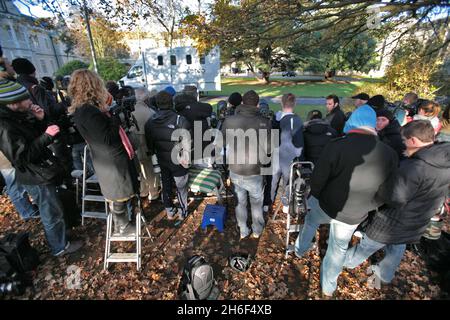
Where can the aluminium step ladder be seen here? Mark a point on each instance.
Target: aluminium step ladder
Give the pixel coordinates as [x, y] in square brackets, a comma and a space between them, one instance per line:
[299, 175]
[134, 257]
[85, 197]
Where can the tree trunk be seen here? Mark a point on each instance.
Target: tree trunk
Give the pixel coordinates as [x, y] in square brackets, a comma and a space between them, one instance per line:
[264, 77]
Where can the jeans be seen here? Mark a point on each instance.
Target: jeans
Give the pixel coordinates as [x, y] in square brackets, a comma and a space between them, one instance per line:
[52, 215]
[385, 269]
[18, 195]
[77, 158]
[275, 182]
[255, 187]
[340, 235]
[181, 184]
[149, 180]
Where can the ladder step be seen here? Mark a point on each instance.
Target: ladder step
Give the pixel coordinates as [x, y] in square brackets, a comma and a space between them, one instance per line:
[123, 257]
[118, 238]
[94, 214]
[295, 227]
[92, 179]
[91, 197]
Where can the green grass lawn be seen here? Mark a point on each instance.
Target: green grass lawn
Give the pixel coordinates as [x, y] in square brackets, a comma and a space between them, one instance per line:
[301, 110]
[300, 88]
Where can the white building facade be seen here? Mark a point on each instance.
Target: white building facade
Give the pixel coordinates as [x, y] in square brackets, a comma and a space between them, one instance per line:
[20, 38]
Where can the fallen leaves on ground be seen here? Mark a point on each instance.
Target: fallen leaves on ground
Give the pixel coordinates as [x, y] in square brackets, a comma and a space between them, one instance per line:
[271, 275]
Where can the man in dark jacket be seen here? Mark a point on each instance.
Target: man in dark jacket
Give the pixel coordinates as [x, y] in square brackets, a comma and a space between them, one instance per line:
[388, 130]
[335, 117]
[195, 112]
[247, 137]
[412, 196]
[26, 76]
[24, 140]
[343, 187]
[55, 112]
[317, 133]
[158, 133]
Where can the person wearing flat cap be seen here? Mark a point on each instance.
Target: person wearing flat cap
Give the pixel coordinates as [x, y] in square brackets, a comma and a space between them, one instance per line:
[388, 130]
[360, 99]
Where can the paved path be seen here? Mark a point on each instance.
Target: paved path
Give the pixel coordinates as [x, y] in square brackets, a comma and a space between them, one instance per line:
[276, 100]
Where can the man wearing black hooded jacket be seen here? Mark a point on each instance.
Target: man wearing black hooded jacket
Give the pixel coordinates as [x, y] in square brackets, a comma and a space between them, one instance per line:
[158, 134]
[411, 196]
[194, 111]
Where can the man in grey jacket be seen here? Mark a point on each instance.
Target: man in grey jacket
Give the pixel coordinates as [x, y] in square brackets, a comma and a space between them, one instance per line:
[247, 137]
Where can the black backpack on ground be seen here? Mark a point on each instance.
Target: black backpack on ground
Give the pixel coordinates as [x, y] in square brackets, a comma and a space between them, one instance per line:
[436, 253]
[197, 281]
[17, 255]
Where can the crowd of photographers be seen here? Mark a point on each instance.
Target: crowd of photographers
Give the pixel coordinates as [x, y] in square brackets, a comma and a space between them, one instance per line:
[385, 166]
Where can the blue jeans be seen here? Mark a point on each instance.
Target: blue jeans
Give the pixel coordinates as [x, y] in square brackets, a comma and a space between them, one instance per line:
[77, 158]
[254, 185]
[340, 235]
[17, 193]
[280, 173]
[385, 269]
[52, 215]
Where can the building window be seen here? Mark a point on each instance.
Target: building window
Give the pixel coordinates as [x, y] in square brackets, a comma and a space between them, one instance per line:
[34, 42]
[47, 45]
[189, 59]
[44, 67]
[53, 65]
[10, 32]
[3, 6]
[20, 34]
[160, 61]
[173, 60]
[202, 59]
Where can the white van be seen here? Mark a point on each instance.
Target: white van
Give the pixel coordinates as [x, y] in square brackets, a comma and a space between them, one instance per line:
[158, 68]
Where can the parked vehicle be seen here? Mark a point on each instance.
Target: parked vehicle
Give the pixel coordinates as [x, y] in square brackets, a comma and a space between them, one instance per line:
[289, 74]
[158, 68]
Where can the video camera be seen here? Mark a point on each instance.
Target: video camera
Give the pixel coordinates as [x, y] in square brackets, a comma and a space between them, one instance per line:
[124, 106]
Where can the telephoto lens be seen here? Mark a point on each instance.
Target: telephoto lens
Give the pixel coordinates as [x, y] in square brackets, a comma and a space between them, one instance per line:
[156, 167]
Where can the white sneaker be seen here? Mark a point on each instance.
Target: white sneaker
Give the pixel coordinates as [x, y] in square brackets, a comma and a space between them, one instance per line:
[285, 209]
[358, 234]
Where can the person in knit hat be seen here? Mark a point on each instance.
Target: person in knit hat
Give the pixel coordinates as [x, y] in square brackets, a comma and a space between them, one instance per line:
[376, 102]
[388, 130]
[170, 90]
[24, 66]
[234, 100]
[24, 141]
[343, 186]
